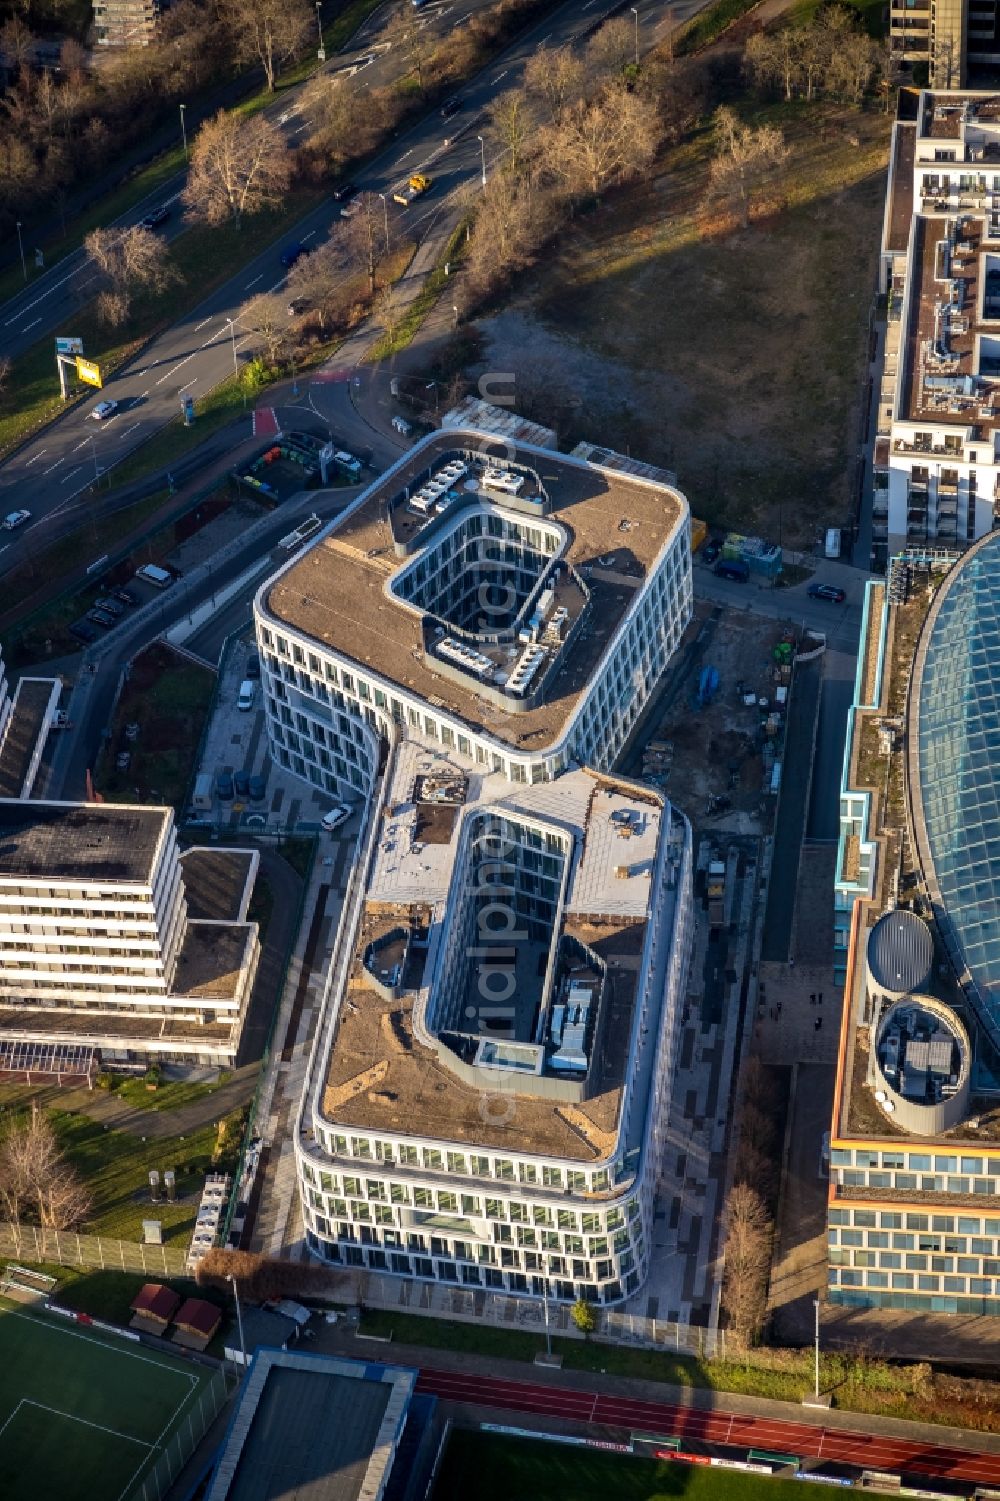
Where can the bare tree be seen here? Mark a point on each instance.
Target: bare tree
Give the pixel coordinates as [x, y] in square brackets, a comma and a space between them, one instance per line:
[126, 259]
[749, 1234]
[33, 1172]
[16, 41]
[388, 308]
[511, 126]
[513, 218]
[776, 57]
[601, 141]
[852, 67]
[238, 167]
[409, 35]
[267, 31]
[746, 160]
[365, 241]
[553, 80]
[610, 50]
[266, 317]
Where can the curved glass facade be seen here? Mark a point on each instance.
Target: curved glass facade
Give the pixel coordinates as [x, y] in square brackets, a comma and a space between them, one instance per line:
[958, 749]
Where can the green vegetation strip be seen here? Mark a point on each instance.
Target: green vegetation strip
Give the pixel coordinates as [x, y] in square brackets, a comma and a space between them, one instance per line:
[82, 1413]
[859, 1384]
[710, 23]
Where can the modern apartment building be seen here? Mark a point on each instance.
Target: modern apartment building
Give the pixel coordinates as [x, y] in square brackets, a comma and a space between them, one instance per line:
[125, 23]
[937, 459]
[467, 650]
[914, 1209]
[958, 40]
[98, 947]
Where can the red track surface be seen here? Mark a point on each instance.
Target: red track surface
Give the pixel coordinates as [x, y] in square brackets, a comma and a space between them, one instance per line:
[867, 1450]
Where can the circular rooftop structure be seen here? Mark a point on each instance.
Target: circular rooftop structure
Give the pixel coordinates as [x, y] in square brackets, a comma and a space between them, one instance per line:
[900, 953]
[921, 1062]
[954, 771]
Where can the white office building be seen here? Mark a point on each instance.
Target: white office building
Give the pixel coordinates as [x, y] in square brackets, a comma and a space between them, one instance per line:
[467, 650]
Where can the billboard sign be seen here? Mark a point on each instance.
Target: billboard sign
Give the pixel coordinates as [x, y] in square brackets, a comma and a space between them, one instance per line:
[69, 346]
[88, 372]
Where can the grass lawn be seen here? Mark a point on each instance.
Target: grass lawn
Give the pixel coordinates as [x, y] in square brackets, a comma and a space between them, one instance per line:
[749, 383]
[299, 854]
[494, 1467]
[167, 1095]
[168, 696]
[115, 1166]
[82, 1414]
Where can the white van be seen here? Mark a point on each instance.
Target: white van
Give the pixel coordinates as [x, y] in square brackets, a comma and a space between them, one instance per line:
[248, 692]
[154, 575]
[832, 549]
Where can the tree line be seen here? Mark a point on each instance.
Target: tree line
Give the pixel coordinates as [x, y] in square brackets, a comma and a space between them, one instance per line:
[830, 57]
[748, 1215]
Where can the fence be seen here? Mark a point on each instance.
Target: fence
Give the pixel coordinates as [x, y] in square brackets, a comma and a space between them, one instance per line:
[28, 1243]
[615, 1327]
[192, 1429]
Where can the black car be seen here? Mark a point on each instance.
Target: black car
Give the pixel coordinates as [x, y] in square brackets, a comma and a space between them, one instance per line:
[829, 592]
[450, 107]
[345, 191]
[82, 631]
[711, 551]
[101, 617]
[126, 596]
[110, 606]
[253, 665]
[155, 217]
[241, 782]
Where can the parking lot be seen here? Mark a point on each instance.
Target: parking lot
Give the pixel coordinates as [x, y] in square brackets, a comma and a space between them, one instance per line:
[236, 743]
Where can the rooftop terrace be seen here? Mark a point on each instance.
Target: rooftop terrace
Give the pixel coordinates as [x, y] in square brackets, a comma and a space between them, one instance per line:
[337, 592]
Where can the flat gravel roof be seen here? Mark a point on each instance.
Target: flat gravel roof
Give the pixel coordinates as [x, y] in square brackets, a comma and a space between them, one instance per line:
[79, 841]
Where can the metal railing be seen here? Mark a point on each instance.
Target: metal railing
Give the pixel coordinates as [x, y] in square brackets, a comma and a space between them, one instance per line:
[192, 1428]
[66, 1248]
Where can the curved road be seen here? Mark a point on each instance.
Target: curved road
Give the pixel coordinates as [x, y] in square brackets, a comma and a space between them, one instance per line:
[871, 1451]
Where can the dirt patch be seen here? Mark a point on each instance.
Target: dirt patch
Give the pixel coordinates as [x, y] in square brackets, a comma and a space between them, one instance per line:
[166, 697]
[738, 359]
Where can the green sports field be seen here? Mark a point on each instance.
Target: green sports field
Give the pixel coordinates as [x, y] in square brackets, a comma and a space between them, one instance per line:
[83, 1415]
[495, 1467]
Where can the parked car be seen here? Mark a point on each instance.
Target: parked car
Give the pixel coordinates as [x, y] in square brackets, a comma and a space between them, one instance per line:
[224, 788]
[828, 592]
[100, 617]
[346, 191]
[110, 606]
[241, 782]
[82, 631]
[451, 107]
[126, 596]
[297, 307]
[711, 550]
[253, 665]
[335, 817]
[104, 410]
[258, 789]
[733, 569]
[292, 254]
[156, 216]
[15, 519]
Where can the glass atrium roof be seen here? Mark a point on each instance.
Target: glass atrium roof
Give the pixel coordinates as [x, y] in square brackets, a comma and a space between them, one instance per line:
[958, 750]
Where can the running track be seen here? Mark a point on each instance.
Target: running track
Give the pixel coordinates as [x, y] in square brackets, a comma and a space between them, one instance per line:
[868, 1451]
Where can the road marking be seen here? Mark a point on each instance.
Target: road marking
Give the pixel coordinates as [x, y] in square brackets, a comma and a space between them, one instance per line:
[24, 330]
[300, 128]
[82, 444]
[192, 382]
[405, 154]
[254, 282]
[176, 368]
[52, 466]
[201, 325]
[505, 71]
[131, 429]
[143, 394]
[308, 236]
[67, 477]
[35, 459]
[545, 39]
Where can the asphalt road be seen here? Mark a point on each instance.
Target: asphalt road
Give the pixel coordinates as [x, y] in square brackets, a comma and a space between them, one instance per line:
[48, 303]
[200, 350]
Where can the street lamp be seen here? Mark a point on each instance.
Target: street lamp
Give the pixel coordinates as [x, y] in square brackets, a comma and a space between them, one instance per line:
[239, 1317]
[385, 211]
[184, 134]
[20, 246]
[482, 147]
[816, 1306]
[97, 473]
[548, 1331]
[635, 12]
[232, 330]
[321, 53]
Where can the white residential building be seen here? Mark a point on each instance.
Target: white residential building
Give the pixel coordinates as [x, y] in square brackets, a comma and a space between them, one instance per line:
[937, 464]
[491, 1076]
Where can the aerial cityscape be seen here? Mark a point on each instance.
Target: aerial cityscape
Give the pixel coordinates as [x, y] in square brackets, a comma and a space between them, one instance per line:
[499, 749]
